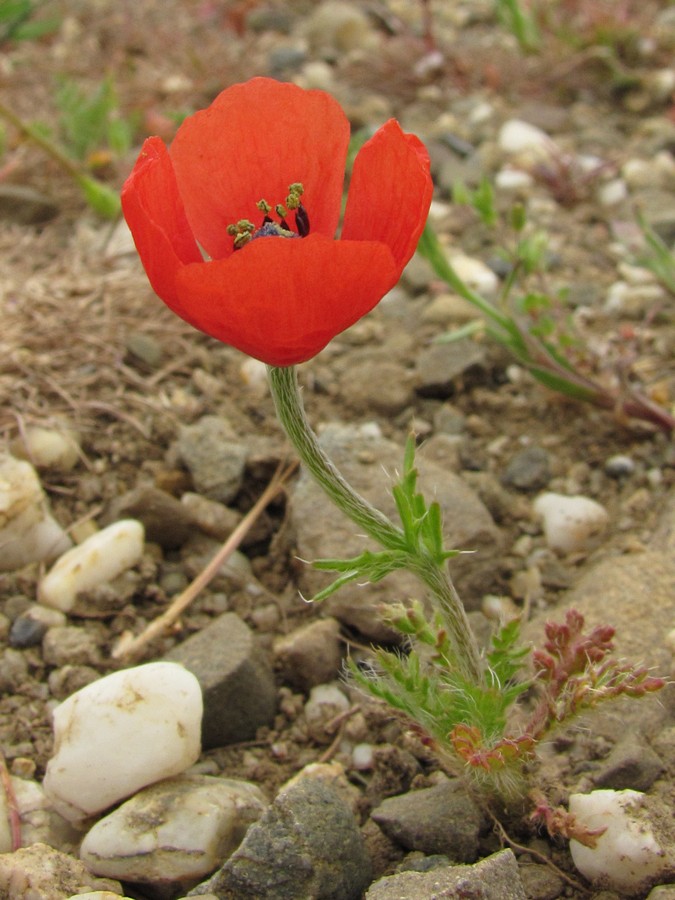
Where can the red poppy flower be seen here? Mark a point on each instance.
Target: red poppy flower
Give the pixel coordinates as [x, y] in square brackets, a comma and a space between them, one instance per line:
[278, 299]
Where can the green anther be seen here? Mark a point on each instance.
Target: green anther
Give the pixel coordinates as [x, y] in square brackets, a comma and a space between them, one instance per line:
[241, 231]
[264, 206]
[281, 210]
[295, 192]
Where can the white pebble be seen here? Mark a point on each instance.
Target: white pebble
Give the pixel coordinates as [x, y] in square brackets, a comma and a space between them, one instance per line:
[571, 524]
[628, 857]
[48, 448]
[100, 559]
[325, 703]
[363, 757]
[179, 829]
[612, 192]
[121, 733]
[518, 138]
[475, 274]
[28, 532]
[513, 180]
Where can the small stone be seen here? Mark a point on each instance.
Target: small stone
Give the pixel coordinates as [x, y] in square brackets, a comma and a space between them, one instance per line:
[619, 466]
[376, 387]
[335, 27]
[100, 559]
[326, 702]
[25, 206]
[69, 678]
[13, 670]
[518, 138]
[235, 678]
[631, 764]
[442, 819]
[213, 518]
[180, 829]
[68, 644]
[571, 524]
[637, 849]
[540, 882]
[442, 367]
[449, 309]
[28, 532]
[311, 654]
[529, 469]
[214, 457]
[123, 732]
[40, 872]
[494, 878]
[475, 274]
[166, 521]
[612, 192]
[307, 844]
[513, 180]
[145, 349]
[48, 448]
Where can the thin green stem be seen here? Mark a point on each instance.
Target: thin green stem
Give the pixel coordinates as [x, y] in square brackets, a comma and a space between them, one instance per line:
[291, 413]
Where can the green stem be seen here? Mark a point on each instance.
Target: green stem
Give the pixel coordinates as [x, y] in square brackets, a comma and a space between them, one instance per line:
[291, 413]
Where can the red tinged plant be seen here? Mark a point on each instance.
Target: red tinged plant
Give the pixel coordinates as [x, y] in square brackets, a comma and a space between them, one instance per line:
[196, 209]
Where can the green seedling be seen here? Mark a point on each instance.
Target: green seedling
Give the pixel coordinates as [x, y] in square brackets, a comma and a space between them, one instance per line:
[18, 22]
[521, 21]
[90, 124]
[528, 323]
[656, 256]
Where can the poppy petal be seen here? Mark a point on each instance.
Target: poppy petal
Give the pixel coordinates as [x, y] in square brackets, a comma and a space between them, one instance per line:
[281, 300]
[254, 141]
[390, 192]
[155, 215]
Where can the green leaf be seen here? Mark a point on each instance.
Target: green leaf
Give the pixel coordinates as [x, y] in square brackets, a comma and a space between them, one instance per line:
[102, 199]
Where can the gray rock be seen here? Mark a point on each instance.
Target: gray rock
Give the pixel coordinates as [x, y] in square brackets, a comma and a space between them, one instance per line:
[540, 882]
[441, 366]
[213, 456]
[306, 846]
[377, 386]
[528, 470]
[631, 764]
[145, 349]
[369, 463]
[167, 521]
[311, 654]
[68, 644]
[439, 820]
[235, 678]
[493, 878]
[25, 206]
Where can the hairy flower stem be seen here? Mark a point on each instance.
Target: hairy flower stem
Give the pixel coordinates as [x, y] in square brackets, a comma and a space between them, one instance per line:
[291, 413]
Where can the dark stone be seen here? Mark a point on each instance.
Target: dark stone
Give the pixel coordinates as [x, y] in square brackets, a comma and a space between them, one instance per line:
[26, 632]
[632, 764]
[306, 846]
[438, 820]
[167, 521]
[528, 470]
[235, 677]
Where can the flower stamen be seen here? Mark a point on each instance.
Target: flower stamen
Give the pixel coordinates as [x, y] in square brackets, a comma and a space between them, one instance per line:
[245, 231]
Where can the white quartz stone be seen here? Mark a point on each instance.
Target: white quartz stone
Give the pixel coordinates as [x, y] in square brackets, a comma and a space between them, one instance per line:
[179, 829]
[48, 448]
[571, 524]
[28, 532]
[121, 733]
[631, 855]
[518, 138]
[475, 274]
[101, 558]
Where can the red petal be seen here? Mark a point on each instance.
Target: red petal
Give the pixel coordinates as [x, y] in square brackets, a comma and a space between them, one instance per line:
[390, 192]
[253, 142]
[282, 300]
[154, 212]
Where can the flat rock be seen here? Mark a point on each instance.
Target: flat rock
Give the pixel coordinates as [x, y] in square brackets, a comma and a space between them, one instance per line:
[369, 463]
[493, 878]
[121, 733]
[167, 521]
[235, 677]
[442, 368]
[178, 830]
[439, 820]
[306, 846]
